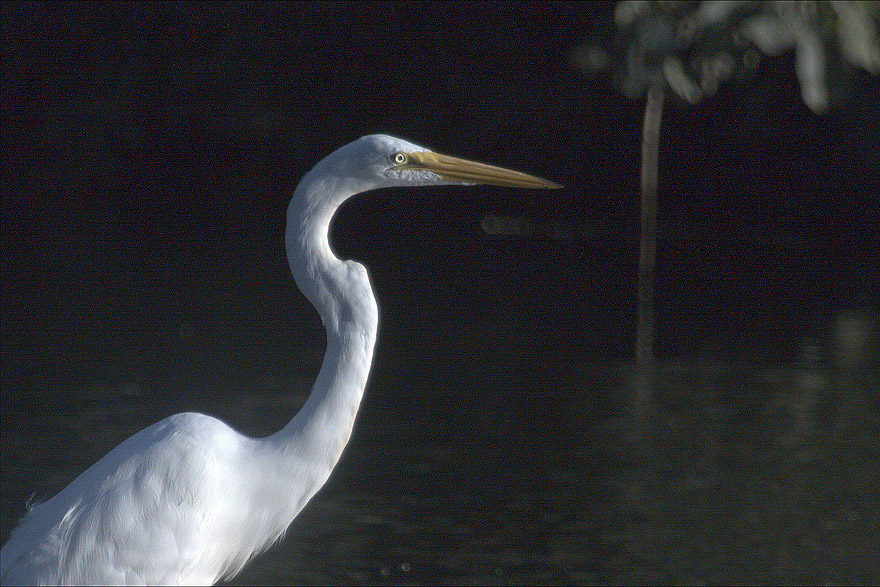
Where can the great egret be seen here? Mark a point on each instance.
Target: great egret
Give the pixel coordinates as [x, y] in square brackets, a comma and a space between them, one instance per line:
[189, 500]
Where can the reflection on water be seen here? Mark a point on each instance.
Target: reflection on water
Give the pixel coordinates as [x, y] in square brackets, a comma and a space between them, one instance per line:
[502, 487]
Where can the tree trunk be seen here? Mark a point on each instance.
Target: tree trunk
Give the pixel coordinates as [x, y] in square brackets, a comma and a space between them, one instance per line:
[644, 376]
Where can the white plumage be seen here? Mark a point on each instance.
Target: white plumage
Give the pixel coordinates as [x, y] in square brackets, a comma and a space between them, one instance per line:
[189, 500]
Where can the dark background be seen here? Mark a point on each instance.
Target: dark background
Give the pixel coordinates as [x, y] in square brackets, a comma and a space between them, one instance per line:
[149, 152]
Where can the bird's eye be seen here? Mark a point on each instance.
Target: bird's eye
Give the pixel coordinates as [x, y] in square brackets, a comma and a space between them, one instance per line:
[399, 158]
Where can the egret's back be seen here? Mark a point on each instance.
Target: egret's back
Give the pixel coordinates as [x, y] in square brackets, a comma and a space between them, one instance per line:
[158, 509]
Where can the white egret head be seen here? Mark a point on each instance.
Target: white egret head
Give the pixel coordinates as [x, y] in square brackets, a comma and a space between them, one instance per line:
[377, 161]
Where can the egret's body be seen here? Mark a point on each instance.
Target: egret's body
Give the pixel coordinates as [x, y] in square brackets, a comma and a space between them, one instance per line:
[189, 500]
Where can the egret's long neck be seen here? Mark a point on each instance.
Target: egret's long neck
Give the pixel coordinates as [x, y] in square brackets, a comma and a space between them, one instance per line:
[341, 292]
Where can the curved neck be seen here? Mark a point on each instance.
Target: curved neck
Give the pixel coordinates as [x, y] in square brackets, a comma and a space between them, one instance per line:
[282, 472]
[342, 294]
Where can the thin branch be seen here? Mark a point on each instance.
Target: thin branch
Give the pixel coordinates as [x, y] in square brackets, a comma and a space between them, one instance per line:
[647, 255]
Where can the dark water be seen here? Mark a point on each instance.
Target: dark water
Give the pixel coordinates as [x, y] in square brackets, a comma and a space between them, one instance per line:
[455, 483]
[470, 481]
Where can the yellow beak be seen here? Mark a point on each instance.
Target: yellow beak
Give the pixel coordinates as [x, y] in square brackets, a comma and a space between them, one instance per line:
[455, 169]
